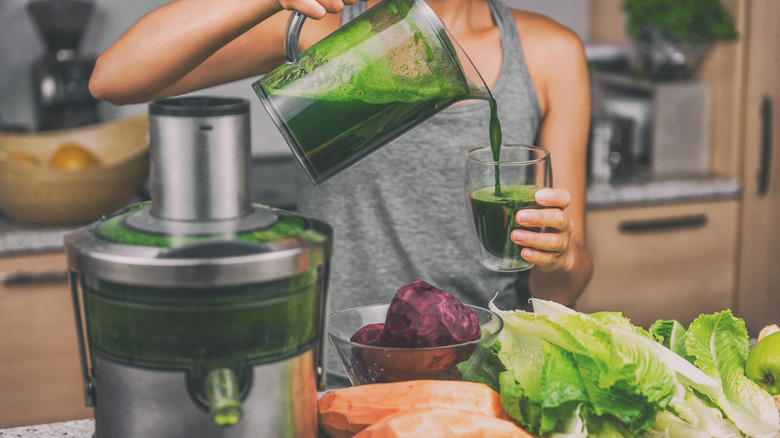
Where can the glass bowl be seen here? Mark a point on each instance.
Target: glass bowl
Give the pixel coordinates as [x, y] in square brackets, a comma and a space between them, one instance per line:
[372, 364]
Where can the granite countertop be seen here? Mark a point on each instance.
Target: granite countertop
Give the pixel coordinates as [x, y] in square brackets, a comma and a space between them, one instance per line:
[273, 184]
[74, 429]
[65, 429]
[642, 190]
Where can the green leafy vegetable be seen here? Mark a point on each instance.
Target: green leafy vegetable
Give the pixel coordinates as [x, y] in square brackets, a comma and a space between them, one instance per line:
[719, 343]
[690, 21]
[570, 374]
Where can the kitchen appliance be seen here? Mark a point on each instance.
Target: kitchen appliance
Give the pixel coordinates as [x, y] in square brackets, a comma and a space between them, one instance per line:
[610, 154]
[365, 84]
[60, 76]
[639, 109]
[199, 313]
[672, 122]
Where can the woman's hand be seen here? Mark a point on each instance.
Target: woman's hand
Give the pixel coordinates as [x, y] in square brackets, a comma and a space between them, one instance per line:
[315, 8]
[548, 250]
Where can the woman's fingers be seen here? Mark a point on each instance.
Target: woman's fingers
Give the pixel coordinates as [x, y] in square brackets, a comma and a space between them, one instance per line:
[315, 8]
[553, 198]
[549, 242]
[548, 248]
[333, 6]
[545, 217]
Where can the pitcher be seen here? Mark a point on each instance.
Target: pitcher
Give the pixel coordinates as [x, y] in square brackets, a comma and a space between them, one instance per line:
[365, 84]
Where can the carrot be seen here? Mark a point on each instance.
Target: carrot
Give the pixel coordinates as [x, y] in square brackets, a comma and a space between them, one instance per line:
[442, 423]
[345, 412]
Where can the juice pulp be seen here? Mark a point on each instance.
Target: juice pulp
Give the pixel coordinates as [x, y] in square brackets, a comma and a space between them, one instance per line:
[494, 217]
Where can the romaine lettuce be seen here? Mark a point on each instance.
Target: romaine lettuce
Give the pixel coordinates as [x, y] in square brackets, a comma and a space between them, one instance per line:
[570, 375]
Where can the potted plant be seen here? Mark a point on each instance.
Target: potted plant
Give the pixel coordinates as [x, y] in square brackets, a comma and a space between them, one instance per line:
[673, 35]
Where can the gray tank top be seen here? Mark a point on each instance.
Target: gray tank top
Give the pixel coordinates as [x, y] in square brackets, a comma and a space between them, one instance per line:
[399, 214]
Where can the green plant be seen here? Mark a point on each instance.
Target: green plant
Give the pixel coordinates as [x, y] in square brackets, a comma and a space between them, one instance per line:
[688, 21]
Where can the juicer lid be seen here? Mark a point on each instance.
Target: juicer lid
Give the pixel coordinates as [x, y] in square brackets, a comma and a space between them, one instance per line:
[113, 249]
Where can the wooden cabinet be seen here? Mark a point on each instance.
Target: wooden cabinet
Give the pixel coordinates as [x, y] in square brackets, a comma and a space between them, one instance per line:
[40, 372]
[662, 262]
[759, 268]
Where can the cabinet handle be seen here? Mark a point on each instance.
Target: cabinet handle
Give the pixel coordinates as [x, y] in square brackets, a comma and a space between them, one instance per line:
[31, 278]
[766, 145]
[663, 224]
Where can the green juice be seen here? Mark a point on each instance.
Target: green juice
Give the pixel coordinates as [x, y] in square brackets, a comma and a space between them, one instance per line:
[330, 143]
[496, 138]
[200, 330]
[494, 217]
[189, 328]
[367, 83]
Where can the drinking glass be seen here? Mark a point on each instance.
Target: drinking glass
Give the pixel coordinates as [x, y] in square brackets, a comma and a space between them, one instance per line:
[495, 191]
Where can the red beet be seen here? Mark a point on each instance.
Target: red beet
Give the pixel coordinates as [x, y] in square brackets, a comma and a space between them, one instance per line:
[368, 335]
[420, 315]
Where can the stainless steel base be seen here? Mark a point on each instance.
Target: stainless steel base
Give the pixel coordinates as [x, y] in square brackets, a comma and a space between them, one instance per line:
[132, 402]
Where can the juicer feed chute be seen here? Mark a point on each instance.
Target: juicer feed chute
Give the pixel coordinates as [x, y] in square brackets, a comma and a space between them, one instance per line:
[199, 313]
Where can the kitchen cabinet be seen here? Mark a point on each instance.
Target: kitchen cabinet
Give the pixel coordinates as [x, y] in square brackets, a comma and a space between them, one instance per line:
[745, 145]
[40, 373]
[663, 261]
[758, 299]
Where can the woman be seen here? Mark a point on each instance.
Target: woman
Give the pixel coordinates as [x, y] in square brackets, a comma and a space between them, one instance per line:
[398, 214]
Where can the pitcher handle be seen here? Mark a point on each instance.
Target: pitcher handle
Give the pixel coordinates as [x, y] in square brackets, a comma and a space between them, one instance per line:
[292, 34]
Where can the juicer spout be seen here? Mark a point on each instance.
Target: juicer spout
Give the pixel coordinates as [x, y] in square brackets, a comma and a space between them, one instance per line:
[223, 397]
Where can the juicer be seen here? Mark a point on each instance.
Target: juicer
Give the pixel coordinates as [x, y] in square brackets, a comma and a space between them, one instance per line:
[199, 313]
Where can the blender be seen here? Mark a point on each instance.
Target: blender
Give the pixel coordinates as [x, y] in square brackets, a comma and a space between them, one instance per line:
[61, 75]
[199, 313]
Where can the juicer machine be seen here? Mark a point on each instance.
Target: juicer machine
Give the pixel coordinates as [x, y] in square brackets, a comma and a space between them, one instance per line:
[200, 314]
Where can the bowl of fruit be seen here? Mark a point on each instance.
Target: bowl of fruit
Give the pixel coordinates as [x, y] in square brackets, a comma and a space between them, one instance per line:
[73, 176]
[422, 334]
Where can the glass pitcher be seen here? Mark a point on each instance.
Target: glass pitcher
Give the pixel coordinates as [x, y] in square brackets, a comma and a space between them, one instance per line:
[365, 84]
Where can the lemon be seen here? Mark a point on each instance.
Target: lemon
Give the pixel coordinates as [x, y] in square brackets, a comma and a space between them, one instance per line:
[72, 156]
[22, 157]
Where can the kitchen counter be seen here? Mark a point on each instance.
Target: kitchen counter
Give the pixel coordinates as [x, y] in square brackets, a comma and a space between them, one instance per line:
[75, 429]
[66, 429]
[641, 190]
[273, 184]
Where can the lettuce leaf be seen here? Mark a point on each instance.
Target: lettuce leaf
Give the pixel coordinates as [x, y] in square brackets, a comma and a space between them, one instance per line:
[719, 344]
[570, 375]
[561, 364]
[671, 334]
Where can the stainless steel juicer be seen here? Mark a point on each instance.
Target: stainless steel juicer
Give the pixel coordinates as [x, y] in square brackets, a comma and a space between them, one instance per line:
[199, 313]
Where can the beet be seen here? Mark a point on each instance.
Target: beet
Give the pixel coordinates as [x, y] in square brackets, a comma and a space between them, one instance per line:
[368, 335]
[420, 315]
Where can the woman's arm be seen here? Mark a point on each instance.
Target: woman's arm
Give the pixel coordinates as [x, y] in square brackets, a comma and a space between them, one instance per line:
[188, 45]
[558, 68]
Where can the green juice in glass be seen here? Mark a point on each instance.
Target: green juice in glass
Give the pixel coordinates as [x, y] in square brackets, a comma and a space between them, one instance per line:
[494, 217]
